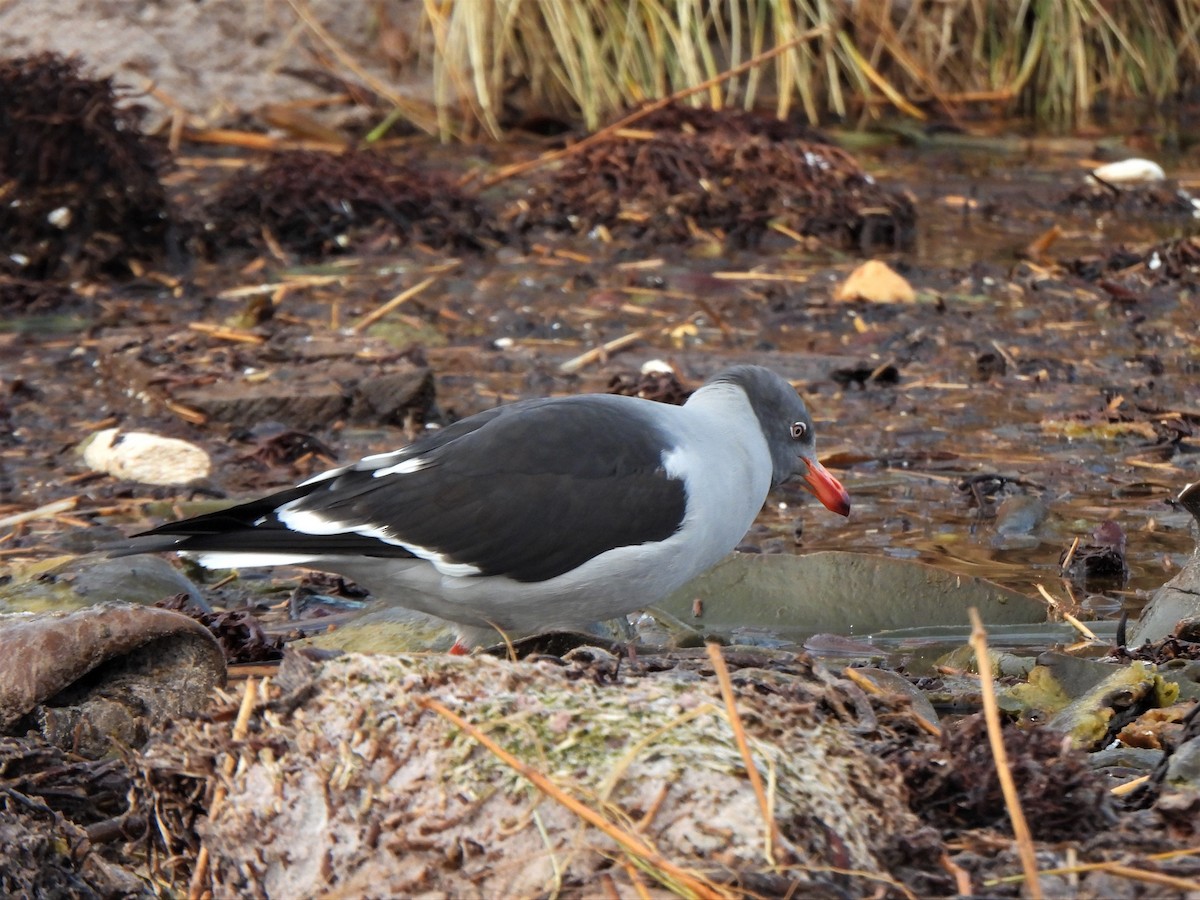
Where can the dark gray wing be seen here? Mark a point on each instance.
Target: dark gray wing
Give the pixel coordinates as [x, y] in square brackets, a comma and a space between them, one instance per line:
[529, 490]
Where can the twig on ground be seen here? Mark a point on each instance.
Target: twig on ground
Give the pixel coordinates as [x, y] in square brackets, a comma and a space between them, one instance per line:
[400, 299]
[1119, 869]
[1012, 800]
[49, 510]
[597, 353]
[871, 687]
[739, 736]
[241, 727]
[632, 844]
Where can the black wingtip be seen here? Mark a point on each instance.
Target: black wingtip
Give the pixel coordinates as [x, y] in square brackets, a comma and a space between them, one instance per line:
[141, 543]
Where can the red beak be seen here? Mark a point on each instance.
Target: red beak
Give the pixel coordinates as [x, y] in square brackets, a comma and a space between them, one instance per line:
[826, 488]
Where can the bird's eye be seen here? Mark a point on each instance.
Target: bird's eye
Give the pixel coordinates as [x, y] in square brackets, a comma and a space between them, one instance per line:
[799, 430]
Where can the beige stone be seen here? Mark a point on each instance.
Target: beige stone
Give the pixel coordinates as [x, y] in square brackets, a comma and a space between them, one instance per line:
[876, 282]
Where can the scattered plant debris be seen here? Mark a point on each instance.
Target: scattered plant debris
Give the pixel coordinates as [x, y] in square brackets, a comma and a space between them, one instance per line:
[986, 489]
[1184, 644]
[80, 182]
[1168, 263]
[28, 297]
[864, 373]
[313, 203]
[1100, 563]
[331, 585]
[285, 446]
[240, 634]
[959, 788]
[688, 173]
[64, 823]
[661, 386]
[1157, 199]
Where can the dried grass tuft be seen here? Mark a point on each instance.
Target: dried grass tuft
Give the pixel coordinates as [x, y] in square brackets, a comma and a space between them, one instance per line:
[590, 59]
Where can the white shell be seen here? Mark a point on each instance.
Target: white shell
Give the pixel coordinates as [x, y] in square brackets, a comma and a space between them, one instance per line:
[1129, 171]
[60, 218]
[657, 367]
[145, 458]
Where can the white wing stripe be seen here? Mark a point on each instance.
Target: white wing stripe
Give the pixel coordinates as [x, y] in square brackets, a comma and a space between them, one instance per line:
[416, 464]
[236, 559]
[308, 522]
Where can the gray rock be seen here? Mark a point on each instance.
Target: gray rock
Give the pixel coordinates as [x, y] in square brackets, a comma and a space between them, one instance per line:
[109, 672]
[87, 580]
[1179, 598]
[1183, 768]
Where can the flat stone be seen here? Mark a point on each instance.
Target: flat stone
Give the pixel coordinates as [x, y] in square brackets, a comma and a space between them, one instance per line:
[303, 383]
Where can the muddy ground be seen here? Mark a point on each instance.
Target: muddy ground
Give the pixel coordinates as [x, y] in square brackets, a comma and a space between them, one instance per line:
[285, 313]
